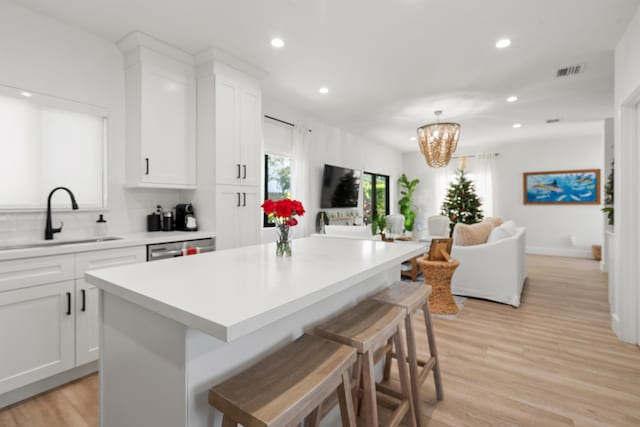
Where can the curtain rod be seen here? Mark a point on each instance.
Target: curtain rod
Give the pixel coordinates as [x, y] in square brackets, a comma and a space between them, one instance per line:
[281, 121]
[471, 156]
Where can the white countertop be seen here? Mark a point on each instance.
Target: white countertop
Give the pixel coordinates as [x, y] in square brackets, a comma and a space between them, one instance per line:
[123, 241]
[231, 293]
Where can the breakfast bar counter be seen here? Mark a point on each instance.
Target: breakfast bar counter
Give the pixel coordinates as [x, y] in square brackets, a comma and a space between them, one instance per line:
[171, 329]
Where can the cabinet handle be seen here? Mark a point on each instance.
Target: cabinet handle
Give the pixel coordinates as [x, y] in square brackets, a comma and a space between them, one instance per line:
[238, 205]
[244, 171]
[238, 170]
[146, 159]
[84, 300]
[68, 303]
[244, 199]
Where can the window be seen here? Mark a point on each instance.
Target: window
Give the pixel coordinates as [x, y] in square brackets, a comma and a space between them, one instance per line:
[277, 180]
[375, 192]
[278, 140]
[48, 142]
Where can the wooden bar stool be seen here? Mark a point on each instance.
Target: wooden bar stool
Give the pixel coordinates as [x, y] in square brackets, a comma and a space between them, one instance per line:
[289, 385]
[411, 296]
[368, 327]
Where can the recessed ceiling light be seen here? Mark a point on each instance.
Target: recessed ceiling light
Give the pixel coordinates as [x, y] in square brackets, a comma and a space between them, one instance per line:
[413, 138]
[512, 98]
[502, 43]
[27, 94]
[323, 90]
[277, 43]
[517, 125]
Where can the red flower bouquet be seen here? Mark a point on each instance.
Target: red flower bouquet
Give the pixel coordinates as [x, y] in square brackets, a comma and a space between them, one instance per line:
[283, 213]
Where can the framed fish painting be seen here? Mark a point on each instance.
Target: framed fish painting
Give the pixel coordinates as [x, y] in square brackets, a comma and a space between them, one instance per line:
[579, 187]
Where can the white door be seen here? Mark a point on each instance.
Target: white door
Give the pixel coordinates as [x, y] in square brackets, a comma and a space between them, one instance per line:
[168, 128]
[250, 136]
[228, 205]
[37, 337]
[250, 217]
[228, 164]
[87, 322]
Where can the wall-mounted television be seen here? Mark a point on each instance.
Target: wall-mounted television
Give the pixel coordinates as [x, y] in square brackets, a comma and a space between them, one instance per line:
[340, 187]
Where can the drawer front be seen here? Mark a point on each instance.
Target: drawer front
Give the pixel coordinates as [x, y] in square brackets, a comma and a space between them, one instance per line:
[22, 273]
[109, 258]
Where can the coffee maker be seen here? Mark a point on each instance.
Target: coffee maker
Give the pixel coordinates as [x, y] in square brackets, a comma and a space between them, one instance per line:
[185, 217]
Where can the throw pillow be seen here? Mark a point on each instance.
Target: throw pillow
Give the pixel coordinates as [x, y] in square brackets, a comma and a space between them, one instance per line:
[469, 235]
[510, 226]
[493, 220]
[499, 233]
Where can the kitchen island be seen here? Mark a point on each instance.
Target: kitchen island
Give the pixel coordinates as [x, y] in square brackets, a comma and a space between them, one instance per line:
[171, 329]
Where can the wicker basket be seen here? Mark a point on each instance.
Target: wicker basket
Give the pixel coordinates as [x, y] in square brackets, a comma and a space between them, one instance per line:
[438, 275]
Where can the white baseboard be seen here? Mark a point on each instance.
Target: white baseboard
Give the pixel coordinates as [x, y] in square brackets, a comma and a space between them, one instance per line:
[615, 324]
[604, 267]
[565, 252]
[30, 390]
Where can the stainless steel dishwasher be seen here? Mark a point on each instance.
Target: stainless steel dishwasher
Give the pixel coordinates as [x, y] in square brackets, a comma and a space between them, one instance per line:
[180, 248]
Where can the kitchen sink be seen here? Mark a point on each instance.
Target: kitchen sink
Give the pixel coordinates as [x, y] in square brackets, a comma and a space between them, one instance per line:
[49, 243]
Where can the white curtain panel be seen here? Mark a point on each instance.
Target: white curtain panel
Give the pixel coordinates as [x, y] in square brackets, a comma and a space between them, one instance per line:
[444, 177]
[299, 178]
[484, 171]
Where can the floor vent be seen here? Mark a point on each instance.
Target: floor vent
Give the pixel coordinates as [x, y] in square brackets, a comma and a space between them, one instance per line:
[553, 120]
[570, 71]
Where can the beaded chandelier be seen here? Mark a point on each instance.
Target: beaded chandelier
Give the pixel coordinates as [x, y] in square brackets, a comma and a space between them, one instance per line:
[438, 141]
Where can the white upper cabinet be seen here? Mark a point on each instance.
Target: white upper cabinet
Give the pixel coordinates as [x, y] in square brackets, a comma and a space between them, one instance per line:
[161, 114]
[238, 143]
[229, 118]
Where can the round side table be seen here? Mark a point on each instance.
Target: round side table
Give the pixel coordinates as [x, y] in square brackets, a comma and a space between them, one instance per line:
[438, 275]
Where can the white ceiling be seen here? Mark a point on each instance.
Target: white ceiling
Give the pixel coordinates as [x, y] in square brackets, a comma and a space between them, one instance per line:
[389, 64]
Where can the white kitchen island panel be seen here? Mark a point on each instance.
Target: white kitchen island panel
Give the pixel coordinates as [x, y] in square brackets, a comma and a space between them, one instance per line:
[172, 329]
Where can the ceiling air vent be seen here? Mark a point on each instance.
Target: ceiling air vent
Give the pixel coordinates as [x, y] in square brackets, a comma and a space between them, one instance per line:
[570, 71]
[553, 120]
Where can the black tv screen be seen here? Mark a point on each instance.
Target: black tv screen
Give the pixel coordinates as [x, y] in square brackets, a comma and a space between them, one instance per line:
[340, 187]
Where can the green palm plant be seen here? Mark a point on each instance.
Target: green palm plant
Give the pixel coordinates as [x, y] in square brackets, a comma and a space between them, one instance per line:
[405, 202]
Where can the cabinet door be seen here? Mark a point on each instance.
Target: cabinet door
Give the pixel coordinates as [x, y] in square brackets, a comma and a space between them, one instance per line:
[168, 128]
[250, 132]
[228, 163]
[250, 217]
[36, 332]
[87, 322]
[228, 202]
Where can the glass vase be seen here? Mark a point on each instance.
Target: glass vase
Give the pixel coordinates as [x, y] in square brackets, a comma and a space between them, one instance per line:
[283, 240]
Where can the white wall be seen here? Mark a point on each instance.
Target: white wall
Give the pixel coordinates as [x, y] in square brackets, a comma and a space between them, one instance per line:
[46, 56]
[549, 227]
[626, 293]
[335, 146]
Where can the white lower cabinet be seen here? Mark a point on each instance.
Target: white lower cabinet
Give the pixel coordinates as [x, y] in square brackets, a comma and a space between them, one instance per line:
[87, 322]
[36, 333]
[237, 216]
[49, 328]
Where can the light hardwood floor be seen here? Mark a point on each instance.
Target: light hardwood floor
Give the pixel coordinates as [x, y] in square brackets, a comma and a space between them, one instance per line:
[553, 361]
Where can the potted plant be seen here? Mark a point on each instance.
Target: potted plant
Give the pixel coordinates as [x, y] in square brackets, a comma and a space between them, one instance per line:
[405, 202]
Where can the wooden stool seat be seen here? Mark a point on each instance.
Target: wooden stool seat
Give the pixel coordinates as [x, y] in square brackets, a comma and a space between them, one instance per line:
[362, 326]
[408, 295]
[368, 327]
[288, 385]
[412, 296]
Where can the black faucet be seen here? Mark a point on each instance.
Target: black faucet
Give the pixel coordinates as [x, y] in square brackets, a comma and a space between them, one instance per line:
[49, 231]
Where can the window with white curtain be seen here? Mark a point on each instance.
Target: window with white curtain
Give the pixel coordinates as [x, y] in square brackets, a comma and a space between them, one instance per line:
[480, 169]
[45, 143]
[278, 147]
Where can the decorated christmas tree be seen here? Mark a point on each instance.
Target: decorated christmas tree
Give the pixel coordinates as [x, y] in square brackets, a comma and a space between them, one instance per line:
[461, 203]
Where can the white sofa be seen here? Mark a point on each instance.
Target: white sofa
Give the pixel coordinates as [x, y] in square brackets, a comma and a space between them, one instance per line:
[495, 271]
